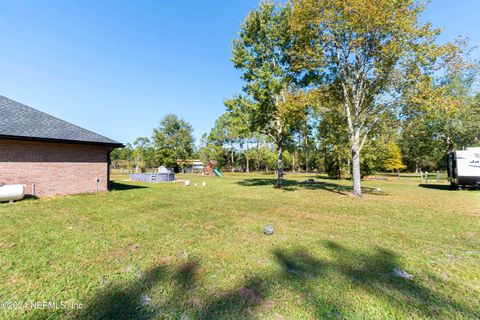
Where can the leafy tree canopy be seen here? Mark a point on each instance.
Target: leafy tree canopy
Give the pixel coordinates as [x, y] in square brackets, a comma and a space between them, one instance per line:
[173, 140]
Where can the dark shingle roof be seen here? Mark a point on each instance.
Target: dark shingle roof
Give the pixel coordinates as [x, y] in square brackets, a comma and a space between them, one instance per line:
[20, 121]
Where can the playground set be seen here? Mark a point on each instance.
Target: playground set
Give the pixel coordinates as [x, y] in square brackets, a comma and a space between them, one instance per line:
[211, 169]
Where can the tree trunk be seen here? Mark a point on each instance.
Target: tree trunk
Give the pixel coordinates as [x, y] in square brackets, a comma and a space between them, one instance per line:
[232, 161]
[306, 155]
[259, 169]
[248, 166]
[279, 184]
[293, 162]
[306, 164]
[339, 168]
[136, 165]
[348, 167]
[356, 176]
[325, 159]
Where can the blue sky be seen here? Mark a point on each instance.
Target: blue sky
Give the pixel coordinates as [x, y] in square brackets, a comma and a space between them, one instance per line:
[116, 67]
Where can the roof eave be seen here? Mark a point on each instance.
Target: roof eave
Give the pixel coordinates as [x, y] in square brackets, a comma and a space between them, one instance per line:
[108, 144]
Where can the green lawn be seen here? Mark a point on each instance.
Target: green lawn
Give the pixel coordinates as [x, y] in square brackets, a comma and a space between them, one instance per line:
[169, 251]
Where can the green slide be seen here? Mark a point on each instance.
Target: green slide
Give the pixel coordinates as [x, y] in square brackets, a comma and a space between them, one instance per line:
[217, 172]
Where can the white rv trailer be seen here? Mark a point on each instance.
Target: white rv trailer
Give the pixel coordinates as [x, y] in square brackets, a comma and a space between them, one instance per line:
[464, 167]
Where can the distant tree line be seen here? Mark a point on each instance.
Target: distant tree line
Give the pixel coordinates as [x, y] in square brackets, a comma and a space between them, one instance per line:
[172, 140]
[343, 87]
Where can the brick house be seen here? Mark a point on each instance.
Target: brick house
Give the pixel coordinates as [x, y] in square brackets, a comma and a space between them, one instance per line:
[50, 156]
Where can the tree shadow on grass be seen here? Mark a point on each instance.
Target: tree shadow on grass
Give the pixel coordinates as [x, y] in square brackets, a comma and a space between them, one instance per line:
[293, 185]
[126, 300]
[182, 294]
[372, 273]
[242, 302]
[132, 300]
[117, 186]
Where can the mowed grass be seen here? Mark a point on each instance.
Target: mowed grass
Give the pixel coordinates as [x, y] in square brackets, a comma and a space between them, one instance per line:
[166, 251]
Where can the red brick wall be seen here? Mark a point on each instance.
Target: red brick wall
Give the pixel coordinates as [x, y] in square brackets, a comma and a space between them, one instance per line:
[54, 168]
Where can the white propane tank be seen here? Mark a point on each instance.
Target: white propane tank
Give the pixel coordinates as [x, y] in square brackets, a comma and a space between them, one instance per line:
[11, 192]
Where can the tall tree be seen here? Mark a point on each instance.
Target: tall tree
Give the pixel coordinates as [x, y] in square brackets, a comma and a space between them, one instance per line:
[393, 158]
[271, 102]
[224, 135]
[140, 148]
[240, 130]
[438, 111]
[333, 136]
[209, 149]
[361, 46]
[231, 132]
[173, 140]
